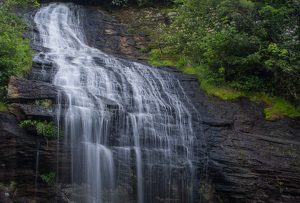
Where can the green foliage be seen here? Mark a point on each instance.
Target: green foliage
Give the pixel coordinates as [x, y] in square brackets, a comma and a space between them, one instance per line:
[3, 107]
[49, 178]
[15, 52]
[43, 128]
[281, 108]
[46, 103]
[246, 45]
[156, 59]
[144, 50]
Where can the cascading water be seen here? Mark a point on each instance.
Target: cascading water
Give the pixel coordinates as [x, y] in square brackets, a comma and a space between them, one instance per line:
[129, 126]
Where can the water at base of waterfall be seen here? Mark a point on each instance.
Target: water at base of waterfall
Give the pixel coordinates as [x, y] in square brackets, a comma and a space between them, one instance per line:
[128, 125]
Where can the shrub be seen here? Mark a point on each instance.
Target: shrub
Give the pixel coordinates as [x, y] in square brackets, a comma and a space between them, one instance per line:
[15, 51]
[252, 45]
[43, 128]
[48, 178]
[46, 103]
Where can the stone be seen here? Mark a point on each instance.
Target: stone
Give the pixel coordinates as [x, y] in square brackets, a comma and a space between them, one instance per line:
[32, 111]
[20, 89]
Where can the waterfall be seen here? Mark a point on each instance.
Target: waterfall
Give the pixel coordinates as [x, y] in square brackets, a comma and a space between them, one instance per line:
[128, 125]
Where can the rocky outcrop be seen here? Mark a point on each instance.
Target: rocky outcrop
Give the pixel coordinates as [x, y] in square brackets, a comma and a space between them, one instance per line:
[36, 111]
[253, 160]
[107, 34]
[21, 89]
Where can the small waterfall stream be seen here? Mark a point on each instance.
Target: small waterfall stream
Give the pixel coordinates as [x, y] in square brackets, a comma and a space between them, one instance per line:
[129, 126]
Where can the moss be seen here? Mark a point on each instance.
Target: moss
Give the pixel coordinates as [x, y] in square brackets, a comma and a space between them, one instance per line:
[281, 108]
[224, 93]
[3, 107]
[277, 107]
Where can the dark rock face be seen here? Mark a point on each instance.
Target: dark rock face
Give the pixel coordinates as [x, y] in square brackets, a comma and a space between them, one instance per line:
[107, 34]
[21, 89]
[23, 159]
[249, 159]
[33, 111]
[254, 160]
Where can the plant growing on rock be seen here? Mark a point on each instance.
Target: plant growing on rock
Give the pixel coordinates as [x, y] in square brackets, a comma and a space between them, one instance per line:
[48, 178]
[43, 128]
[46, 103]
[15, 52]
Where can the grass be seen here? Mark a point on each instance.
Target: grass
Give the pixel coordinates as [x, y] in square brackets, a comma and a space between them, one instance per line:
[3, 107]
[279, 108]
[276, 107]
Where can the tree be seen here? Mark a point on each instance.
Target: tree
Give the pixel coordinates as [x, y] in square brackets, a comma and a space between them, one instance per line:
[252, 45]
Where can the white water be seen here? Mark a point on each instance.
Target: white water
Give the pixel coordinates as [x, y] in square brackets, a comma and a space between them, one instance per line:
[128, 125]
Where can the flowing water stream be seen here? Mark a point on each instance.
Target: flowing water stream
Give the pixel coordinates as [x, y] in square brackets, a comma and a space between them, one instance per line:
[129, 126]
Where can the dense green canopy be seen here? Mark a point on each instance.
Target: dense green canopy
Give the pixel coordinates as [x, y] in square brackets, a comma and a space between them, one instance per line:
[252, 45]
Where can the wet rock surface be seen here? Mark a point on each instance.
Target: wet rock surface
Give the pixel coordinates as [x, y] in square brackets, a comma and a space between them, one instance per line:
[24, 158]
[248, 159]
[21, 89]
[253, 160]
[107, 34]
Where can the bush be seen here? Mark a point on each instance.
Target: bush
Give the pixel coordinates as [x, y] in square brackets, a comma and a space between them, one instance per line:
[251, 45]
[15, 51]
[43, 128]
[46, 103]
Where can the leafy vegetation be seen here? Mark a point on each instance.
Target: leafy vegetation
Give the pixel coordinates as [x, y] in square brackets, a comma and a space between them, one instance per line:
[3, 107]
[48, 178]
[43, 128]
[15, 52]
[238, 48]
[46, 103]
